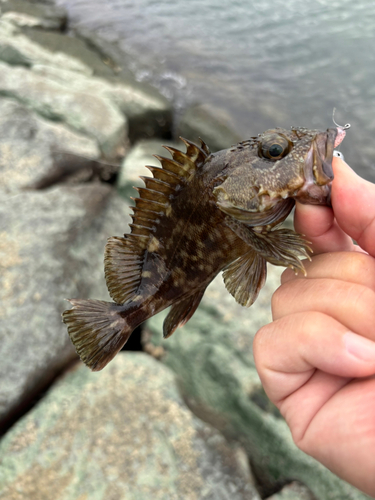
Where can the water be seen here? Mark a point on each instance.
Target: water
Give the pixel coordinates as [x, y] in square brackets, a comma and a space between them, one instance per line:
[262, 64]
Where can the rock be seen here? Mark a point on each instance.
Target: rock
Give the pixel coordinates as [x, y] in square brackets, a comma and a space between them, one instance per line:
[18, 49]
[212, 357]
[26, 13]
[205, 122]
[141, 154]
[51, 248]
[110, 53]
[148, 112]
[67, 64]
[293, 491]
[72, 48]
[27, 144]
[122, 434]
[88, 113]
[144, 121]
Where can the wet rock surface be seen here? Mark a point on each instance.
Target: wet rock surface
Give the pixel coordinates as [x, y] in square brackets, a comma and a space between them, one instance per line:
[75, 133]
[32, 14]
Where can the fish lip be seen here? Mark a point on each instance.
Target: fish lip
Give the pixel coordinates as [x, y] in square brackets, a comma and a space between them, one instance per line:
[318, 170]
[323, 147]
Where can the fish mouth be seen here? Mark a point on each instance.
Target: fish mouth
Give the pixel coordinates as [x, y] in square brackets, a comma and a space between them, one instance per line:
[318, 170]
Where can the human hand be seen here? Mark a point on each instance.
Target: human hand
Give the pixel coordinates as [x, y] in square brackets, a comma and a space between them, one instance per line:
[317, 359]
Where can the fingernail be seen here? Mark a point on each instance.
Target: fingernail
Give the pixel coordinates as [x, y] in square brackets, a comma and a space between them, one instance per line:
[360, 347]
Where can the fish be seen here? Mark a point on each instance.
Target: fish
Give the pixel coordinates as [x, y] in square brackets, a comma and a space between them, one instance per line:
[199, 214]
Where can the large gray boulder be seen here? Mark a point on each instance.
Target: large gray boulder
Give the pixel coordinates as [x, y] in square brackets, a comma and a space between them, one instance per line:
[88, 113]
[51, 248]
[35, 15]
[97, 63]
[18, 49]
[62, 85]
[148, 112]
[122, 434]
[29, 143]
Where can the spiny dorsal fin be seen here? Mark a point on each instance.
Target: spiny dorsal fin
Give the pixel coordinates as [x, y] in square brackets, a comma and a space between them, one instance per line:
[185, 164]
[181, 312]
[245, 277]
[182, 158]
[204, 146]
[164, 175]
[195, 153]
[172, 166]
[124, 256]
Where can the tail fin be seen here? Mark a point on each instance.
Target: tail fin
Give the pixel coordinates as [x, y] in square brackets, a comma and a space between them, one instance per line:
[97, 330]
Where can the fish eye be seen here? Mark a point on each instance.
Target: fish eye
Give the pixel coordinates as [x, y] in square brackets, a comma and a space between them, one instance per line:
[274, 147]
[275, 150]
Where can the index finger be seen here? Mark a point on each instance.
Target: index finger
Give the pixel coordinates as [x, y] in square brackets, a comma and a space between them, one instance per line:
[353, 201]
[352, 216]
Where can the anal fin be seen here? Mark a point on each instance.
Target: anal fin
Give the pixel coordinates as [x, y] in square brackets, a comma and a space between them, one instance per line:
[245, 277]
[181, 312]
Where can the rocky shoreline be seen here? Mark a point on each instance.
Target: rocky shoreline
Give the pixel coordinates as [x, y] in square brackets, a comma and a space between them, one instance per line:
[186, 418]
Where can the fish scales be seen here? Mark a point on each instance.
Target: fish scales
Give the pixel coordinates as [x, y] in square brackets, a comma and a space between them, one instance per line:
[200, 214]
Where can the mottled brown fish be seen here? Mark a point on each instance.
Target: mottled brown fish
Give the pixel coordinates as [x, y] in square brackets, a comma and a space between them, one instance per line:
[199, 214]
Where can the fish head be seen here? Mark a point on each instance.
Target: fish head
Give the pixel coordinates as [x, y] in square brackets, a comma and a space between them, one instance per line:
[275, 168]
[303, 161]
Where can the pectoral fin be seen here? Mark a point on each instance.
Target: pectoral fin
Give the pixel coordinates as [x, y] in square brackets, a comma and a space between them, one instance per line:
[245, 277]
[181, 312]
[281, 247]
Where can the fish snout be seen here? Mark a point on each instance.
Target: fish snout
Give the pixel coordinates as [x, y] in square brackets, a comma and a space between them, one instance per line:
[318, 168]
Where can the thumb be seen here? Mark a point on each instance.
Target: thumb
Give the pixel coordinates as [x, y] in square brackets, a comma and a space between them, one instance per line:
[353, 202]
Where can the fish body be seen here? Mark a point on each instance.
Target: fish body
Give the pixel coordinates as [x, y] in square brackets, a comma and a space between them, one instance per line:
[199, 214]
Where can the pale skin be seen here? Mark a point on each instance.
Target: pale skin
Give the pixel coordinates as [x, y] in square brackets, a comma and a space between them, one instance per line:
[316, 359]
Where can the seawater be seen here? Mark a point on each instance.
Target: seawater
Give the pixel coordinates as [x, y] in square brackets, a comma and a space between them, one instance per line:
[261, 64]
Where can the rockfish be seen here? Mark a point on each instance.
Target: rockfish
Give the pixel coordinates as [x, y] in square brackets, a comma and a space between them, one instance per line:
[200, 214]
